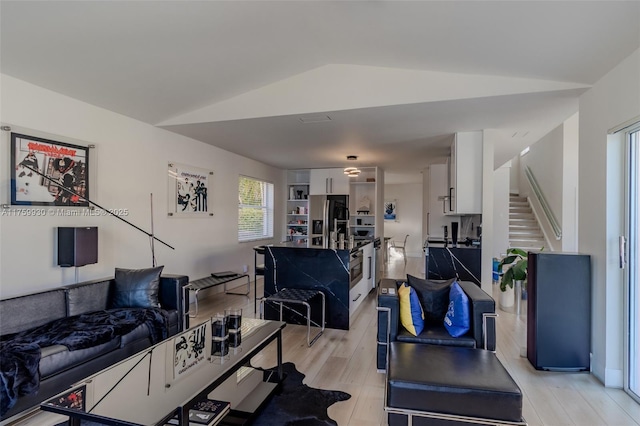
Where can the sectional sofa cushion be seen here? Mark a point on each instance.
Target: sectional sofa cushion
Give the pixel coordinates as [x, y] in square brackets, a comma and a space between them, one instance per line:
[434, 297]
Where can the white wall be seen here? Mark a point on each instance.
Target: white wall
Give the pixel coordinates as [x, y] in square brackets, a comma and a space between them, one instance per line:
[131, 164]
[570, 155]
[613, 100]
[501, 210]
[545, 158]
[409, 201]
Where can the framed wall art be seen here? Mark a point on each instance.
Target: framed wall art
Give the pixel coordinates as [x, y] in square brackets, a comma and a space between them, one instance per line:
[189, 191]
[390, 210]
[45, 172]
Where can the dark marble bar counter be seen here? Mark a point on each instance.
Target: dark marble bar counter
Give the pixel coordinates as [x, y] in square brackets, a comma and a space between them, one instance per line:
[323, 269]
[444, 262]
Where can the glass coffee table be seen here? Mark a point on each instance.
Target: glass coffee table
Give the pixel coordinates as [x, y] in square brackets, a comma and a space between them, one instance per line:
[169, 378]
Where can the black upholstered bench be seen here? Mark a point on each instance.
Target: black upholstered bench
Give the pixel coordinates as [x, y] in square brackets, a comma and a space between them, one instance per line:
[447, 385]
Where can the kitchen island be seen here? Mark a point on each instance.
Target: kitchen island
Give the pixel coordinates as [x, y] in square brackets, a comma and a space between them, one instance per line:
[443, 262]
[327, 270]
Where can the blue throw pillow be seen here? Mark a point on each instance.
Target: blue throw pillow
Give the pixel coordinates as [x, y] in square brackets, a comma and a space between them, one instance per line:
[411, 314]
[457, 321]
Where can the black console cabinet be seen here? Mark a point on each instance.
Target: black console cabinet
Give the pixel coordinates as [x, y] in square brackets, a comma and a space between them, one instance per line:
[559, 311]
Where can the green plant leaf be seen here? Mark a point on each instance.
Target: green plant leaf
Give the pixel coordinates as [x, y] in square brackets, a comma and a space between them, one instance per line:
[517, 251]
[507, 280]
[517, 258]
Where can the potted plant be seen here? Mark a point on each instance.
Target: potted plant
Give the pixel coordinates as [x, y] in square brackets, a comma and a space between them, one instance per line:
[516, 259]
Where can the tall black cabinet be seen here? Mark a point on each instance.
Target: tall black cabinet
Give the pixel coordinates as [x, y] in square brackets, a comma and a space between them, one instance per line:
[559, 311]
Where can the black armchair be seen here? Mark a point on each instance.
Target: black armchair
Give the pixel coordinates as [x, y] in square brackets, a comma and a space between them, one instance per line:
[482, 333]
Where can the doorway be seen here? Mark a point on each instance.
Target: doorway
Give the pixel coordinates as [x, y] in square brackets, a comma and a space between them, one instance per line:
[632, 276]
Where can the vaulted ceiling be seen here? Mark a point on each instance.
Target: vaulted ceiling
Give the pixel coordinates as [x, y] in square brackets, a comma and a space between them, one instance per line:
[304, 84]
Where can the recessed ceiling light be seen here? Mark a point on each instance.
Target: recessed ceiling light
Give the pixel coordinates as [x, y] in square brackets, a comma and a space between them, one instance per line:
[314, 119]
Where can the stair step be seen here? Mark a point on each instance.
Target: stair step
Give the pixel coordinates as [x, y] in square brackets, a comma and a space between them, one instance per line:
[523, 225]
[524, 230]
[526, 234]
[522, 217]
[526, 241]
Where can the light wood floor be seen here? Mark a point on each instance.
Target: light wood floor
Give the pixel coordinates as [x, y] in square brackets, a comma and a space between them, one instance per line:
[345, 360]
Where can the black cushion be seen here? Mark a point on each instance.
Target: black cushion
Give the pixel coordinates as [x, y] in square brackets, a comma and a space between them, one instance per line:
[451, 380]
[136, 288]
[434, 297]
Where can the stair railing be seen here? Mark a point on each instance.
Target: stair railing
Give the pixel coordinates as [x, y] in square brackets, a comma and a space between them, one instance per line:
[557, 230]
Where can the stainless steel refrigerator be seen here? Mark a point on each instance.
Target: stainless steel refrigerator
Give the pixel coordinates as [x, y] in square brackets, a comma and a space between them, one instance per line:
[329, 215]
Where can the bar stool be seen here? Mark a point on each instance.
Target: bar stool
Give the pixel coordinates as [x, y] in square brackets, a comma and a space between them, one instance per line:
[298, 296]
[258, 269]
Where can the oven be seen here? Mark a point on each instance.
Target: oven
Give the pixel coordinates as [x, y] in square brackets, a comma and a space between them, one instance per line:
[355, 268]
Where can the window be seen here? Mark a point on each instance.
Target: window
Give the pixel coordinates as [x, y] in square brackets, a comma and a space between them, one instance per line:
[255, 209]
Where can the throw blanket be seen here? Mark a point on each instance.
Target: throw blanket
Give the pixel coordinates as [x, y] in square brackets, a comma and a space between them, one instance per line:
[20, 352]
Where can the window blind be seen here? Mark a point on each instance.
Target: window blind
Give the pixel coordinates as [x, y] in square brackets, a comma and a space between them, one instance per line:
[255, 209]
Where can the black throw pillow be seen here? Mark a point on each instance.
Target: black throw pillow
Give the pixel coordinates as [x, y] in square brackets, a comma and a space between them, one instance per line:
[137, 288]
[434, 297]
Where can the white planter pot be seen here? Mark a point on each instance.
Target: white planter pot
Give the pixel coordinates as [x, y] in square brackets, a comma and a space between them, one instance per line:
[507, 298]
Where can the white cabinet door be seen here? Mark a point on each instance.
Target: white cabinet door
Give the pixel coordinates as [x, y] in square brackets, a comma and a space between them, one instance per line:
[357, 294]
[438, 204]
[319, 182]
[328, 181]
[368, 261]
[465, 174]
[339, 183]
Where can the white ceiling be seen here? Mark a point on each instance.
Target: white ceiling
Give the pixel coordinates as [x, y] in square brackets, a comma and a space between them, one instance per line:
[395, 78]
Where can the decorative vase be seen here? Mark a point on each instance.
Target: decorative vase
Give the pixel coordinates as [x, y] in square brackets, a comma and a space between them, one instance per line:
[517, 286]
[507, 298]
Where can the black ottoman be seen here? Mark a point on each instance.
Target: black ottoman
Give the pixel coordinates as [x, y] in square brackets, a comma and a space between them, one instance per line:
[449, 385]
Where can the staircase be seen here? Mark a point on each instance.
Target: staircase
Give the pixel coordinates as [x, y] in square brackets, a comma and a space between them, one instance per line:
[524, 231]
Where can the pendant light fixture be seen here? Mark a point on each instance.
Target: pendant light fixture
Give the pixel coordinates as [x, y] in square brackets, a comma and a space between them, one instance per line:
[352, 171]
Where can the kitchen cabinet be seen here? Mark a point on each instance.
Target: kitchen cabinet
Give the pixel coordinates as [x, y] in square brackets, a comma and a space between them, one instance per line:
[357, 294]
[328, 181]
[464, 193]
[368, 259]
[437, 204]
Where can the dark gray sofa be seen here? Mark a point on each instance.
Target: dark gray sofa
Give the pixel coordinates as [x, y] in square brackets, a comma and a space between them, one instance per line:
[59, 367]
[481, 334]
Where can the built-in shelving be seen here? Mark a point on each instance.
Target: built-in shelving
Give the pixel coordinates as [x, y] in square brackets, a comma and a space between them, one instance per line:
[363, 202]
[297, 216]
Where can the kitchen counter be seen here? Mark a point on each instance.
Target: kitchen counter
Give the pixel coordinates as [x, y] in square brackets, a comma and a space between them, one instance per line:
[358, 244]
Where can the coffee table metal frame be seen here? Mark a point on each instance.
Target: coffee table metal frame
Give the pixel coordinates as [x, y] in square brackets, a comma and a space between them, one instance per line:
[76, 416]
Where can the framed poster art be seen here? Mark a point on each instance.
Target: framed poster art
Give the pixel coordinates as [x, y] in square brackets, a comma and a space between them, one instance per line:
[45, 172]
[189, 191]
[189, 350]
[390, 210]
